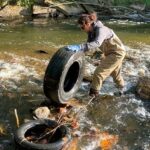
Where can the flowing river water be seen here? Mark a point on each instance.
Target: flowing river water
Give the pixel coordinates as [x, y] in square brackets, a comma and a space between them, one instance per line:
[22, 67]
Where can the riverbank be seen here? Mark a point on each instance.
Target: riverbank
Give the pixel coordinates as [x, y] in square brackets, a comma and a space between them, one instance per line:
[49, 9]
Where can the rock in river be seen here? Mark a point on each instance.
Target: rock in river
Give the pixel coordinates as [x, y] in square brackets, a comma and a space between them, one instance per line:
[143, 87]
[42, 112]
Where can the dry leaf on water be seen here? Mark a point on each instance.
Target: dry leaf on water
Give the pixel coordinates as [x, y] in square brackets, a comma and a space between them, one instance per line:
[68, 119]
[62, 110]
[31, 138]
[2, 130]
[75, 124]
[108, 141]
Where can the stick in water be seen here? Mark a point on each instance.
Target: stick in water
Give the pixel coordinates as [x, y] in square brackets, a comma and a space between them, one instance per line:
[17, 118]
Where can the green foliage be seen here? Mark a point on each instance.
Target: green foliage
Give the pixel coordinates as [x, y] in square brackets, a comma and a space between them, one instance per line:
[1, 2]
[27, 3]
[148, 2]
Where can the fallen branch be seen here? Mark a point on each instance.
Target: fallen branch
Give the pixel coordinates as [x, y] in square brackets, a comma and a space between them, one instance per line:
[17, 118]
[60, 122]
[50, 132]
[84, 107]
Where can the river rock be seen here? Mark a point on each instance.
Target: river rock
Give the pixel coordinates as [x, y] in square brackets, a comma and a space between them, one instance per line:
[143, 88]
[11, 11]
[42, 112]
[41, 10]
[141, 72]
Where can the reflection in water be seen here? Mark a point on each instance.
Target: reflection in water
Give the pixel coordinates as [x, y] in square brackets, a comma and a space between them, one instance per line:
[21, 81]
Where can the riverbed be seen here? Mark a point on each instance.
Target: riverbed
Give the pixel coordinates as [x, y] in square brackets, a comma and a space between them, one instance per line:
[25, 50]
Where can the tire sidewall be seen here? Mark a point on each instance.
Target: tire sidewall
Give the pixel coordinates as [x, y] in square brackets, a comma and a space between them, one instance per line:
[22, 142]
[64, 96]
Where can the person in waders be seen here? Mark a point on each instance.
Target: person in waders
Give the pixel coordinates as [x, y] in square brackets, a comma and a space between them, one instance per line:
[102, 37]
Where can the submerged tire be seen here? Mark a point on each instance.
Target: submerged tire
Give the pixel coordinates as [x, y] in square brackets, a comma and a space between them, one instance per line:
[63, 75]
[23, 144]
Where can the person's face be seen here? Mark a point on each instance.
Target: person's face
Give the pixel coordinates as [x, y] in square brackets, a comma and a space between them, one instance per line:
[94, 16]
[86, 27]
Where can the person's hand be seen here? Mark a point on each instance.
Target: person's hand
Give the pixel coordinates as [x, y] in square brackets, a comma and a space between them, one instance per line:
[74, 48]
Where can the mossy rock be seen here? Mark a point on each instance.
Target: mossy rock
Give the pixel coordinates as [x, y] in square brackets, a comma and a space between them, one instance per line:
[143, 88]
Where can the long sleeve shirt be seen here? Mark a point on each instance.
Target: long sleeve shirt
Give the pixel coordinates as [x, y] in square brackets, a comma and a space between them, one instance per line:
[97, 36]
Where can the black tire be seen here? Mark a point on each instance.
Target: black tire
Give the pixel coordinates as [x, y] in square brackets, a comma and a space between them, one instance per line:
[63, 75]
[23, 144]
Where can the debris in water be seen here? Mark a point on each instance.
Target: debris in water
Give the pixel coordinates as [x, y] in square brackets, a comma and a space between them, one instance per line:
[2, 130]
[108, 141]
[42, 112]
[17, 118]
[75, 124]
[41, 52]
[62, 110]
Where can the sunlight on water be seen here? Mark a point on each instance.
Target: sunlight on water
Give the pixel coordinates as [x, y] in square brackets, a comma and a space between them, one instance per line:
[14, 71]
[127, 116]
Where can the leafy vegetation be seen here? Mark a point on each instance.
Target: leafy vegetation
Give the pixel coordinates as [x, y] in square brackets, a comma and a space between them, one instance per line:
[27, 3]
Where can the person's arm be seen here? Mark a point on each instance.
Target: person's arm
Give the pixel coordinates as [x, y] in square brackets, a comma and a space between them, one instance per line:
[100, 35]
